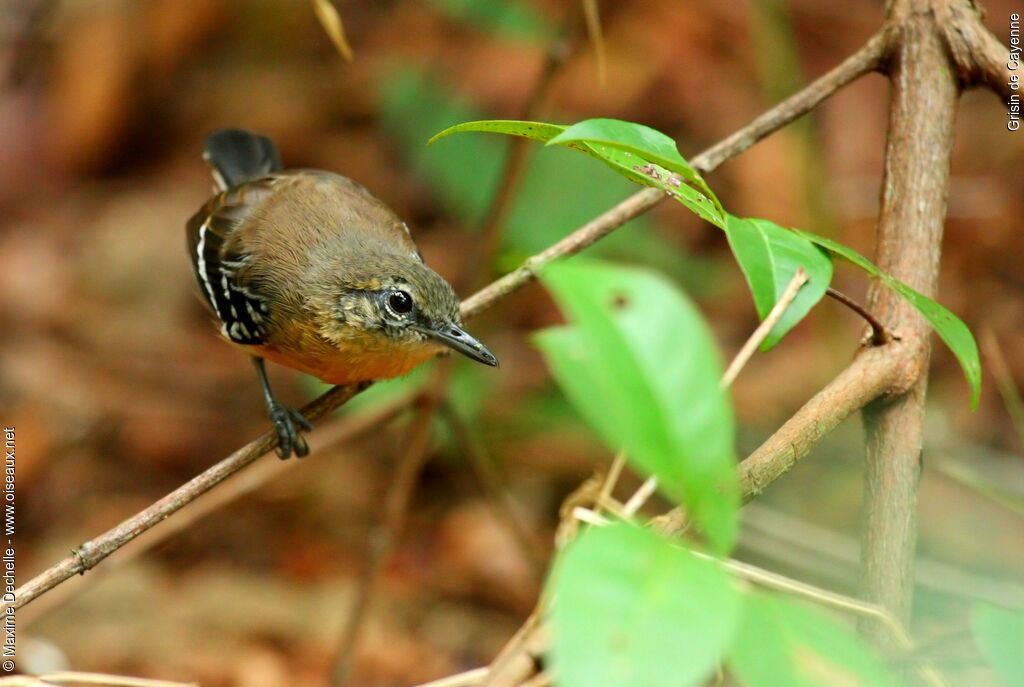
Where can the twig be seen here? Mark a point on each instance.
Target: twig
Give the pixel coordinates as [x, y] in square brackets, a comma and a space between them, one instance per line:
[466, 679]
[86, 556]
[877, 614]
[867, 59]
[793, 541]
[381, 540]
[588, 516]
[93, 551]
[611, 479]
[872, 373]
[762, 331]
[245, 482]
[77, 678]
[639, 498]
[733, 371]
[879, 334]
[514, 663]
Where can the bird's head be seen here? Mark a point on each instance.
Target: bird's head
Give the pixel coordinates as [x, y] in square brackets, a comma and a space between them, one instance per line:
[400, 302]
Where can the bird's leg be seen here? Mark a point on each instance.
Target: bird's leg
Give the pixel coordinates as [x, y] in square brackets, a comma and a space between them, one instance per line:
[289, 437]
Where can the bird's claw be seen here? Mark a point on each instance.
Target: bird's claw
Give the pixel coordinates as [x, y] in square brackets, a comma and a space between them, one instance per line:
[290, 423]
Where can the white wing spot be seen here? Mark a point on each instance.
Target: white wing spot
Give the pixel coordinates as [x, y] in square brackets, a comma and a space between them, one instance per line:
[201, 266]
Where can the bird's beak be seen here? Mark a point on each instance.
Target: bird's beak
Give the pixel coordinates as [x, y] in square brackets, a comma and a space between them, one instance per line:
[455, 337]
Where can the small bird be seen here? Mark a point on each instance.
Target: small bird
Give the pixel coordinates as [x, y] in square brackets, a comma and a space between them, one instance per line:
[308, 269]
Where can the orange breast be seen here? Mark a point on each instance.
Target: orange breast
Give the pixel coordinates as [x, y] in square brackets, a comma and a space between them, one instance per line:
[356, 361]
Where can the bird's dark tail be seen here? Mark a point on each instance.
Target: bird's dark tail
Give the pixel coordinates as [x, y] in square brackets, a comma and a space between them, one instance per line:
[237, 155]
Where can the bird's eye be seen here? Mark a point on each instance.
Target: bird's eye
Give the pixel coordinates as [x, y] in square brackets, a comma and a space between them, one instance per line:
[399, 302]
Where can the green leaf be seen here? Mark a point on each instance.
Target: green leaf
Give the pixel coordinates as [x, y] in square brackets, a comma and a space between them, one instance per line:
[704, 204]
[784, 644]
[512, 20]
[558, 190]
[769, 256]
[641, 366]
[631, 610]
[642, 141]
[538, 131]
[1000, 634]
[953, 332]
[639, 157]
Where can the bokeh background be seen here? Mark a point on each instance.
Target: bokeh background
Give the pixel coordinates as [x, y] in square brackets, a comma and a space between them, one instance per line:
[120, 390]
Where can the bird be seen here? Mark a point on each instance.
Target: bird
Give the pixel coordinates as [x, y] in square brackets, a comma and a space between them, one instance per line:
[307, 269]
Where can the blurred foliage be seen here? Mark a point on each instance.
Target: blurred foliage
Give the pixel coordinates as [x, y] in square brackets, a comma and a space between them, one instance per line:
[786, 644]
[121, 390]
[1000, 634]
[503, 18]
[558, 191]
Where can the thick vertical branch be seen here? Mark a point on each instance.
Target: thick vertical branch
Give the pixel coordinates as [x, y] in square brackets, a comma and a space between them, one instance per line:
[922, 113]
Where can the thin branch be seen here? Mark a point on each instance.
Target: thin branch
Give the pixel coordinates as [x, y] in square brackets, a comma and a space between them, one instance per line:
[610, 480]
[637, 500]
[466, 679]
[879, 616]
[78, 678]
[875, 371]
[879, 334]
[795, 542]
[90, 553]
[640, 496]
[340, 431]
[762, 331]
[86, 556]
[865, 60]
[518, 659]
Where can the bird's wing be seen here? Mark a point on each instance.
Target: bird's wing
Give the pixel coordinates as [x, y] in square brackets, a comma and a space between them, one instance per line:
[222, 268]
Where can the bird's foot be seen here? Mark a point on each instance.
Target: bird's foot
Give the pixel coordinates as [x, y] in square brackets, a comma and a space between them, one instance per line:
[290, 423]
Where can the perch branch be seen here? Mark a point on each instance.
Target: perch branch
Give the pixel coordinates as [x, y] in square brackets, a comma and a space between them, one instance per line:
[341, 431]
[867, 59]
[86, 556]
[95, 550]
[873, 372]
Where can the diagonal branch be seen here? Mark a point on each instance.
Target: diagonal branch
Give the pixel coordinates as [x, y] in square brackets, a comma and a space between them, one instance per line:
[867, 59]
[86, 556]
